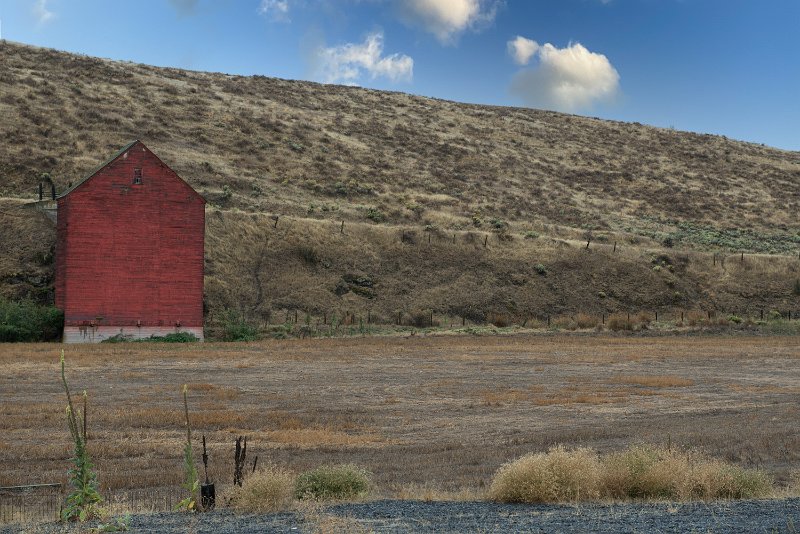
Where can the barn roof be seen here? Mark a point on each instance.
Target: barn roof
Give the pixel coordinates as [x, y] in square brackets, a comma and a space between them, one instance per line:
[110, 160]
[97, 169]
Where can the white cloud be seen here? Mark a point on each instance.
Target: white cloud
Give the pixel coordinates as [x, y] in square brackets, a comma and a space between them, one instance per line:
[42, 14]
[446, 19]
[522, 49]
[566, 79]
[349, 62]
[275, 9]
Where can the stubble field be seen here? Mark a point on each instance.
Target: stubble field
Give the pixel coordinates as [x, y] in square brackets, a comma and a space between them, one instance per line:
[429, 416]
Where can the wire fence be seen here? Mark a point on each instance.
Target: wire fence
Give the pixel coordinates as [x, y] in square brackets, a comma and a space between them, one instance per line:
[39, 503]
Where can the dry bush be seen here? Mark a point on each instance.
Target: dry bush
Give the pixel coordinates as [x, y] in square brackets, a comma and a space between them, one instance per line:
[619, 321]
[584, 320]
[558, 475]
[564, 322]
[696, 318]
[640, 472]
[270, 489]
[659, 473]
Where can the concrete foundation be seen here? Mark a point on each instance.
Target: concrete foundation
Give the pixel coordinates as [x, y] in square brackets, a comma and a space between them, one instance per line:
[96, 334]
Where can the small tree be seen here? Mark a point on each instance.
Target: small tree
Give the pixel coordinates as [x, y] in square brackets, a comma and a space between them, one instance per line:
[83, 503]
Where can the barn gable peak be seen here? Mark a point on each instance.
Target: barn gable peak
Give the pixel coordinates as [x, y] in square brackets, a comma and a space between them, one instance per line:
[122, 152]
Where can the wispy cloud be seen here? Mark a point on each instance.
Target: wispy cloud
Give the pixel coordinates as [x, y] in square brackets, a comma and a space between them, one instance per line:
[565, 79]
[447, 19]
[348, 63]
[184, 7]
[42, 13]
[275, 9]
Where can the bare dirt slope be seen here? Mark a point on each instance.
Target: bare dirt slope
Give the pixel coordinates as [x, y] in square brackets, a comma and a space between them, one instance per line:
[530, 182]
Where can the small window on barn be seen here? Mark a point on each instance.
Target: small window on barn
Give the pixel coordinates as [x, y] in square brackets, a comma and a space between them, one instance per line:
[137, 176]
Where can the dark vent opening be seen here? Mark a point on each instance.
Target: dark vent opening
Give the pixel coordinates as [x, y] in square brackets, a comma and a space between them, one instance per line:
[137, 176]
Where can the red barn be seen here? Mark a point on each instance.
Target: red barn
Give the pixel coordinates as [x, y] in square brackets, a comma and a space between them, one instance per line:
[129, 251]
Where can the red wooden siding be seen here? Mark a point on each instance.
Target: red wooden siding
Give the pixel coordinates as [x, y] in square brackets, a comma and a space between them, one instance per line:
[131, 254]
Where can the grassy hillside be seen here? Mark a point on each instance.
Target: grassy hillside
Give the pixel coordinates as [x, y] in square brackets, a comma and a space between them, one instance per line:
[533, 184]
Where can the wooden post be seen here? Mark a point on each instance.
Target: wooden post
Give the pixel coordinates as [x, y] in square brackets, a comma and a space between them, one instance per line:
[276, 222]
[742, 257]
[429, 238]
[656, 315]
[325, 318]
[295, 316]
[715, 258]
[399, 318]
[762, 315]
[587, 243]
[602, 318]
[403, 236]
[681, 316]
[548, 321]
[341, 231]
[463, 320]
[454, 242]
[369, 316]
[485, 241]
[709, 315]
[615, 246]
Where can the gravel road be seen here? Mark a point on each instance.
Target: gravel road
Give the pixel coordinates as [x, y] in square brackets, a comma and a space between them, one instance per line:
[414, 516]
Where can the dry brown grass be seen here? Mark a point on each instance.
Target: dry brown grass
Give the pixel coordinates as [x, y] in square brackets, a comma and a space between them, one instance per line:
[437, 412]
[654, 381]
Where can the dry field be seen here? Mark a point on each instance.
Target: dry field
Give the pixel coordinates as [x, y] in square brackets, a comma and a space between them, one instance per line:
[425, 414]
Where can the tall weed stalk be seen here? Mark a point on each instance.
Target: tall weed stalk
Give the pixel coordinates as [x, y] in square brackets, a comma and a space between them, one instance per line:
[191, 483]
[83, 503]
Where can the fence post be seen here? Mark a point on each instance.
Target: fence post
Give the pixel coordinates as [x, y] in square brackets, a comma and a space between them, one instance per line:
[341, 231]
[548, 321]
[399, 318]
[485, 240]
[615, 246]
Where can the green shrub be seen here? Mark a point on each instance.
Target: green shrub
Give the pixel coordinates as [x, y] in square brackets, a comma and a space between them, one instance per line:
[734, 319]
[375, 215]
[28, 321]
[333, 483]
[531, 235]
[176, 337]
[540, 269]
[234, 327]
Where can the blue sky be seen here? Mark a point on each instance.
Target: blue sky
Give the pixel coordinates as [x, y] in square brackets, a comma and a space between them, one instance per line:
[730, 67]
